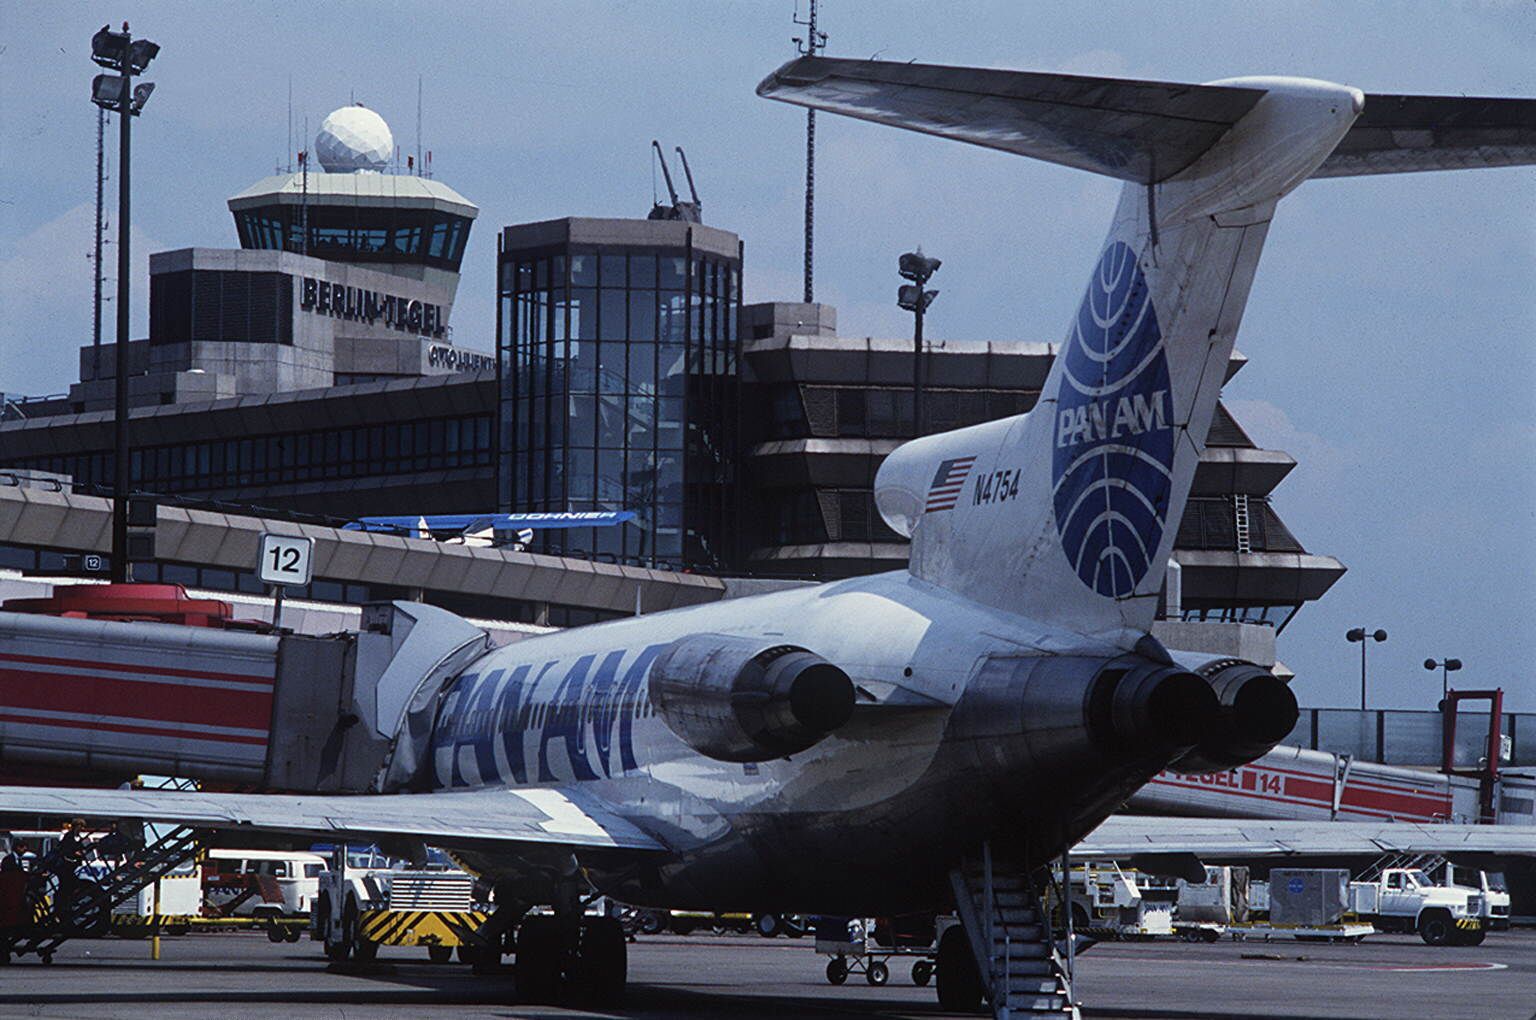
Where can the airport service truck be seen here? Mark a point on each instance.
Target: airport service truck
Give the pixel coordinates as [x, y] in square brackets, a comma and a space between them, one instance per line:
[1489, 885]
[1405, 899]
[360, 908]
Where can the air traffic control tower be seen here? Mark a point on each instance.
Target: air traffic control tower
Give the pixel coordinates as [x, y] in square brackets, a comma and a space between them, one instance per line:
[346, 273]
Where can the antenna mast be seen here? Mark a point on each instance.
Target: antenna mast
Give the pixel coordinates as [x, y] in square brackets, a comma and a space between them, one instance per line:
[418, 126]
[813, 43]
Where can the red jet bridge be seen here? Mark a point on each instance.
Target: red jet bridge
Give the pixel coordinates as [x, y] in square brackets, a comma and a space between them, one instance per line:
[117, 680]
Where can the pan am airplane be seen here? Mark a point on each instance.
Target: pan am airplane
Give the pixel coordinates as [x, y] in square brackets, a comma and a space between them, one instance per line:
[925, 737]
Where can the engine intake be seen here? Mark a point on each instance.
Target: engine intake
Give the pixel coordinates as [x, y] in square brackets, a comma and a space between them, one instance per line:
[1255, 711]
[748, 699]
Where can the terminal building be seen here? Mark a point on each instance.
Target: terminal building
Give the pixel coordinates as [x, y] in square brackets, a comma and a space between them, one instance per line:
[313, 375]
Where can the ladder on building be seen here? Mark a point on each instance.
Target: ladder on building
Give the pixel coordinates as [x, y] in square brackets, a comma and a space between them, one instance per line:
[1241, 523]
[82, 907]
[1023, 972]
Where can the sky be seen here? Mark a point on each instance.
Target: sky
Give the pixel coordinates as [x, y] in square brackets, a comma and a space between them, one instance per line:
[1390, 330]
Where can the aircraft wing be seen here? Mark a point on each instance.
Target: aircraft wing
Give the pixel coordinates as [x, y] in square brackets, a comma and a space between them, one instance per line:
[1405, 134]
[539, 816]
[1135, 130]
[1238, 838]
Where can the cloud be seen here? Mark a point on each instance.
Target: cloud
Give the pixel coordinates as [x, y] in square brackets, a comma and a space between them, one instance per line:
[45, 287]
[1272, 429]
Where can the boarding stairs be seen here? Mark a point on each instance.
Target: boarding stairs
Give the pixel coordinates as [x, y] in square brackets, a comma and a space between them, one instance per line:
[1428, 863]
[1023, 971]
[81, 907]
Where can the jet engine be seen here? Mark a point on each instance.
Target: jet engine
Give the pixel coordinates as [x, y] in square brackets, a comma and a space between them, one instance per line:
[748, 699]
[1256, 710]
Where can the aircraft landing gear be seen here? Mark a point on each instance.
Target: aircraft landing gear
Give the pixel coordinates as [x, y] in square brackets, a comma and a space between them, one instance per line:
[569, 953]
[959, 985]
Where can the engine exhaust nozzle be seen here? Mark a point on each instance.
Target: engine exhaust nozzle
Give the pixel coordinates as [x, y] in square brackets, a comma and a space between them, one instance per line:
[1143, 706]
[1256, 710]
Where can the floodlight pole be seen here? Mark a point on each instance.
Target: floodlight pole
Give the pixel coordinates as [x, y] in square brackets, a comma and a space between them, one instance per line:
[917, 366]
[120, 570]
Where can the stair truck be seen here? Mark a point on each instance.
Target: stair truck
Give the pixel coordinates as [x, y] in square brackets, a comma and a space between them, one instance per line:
[1405, 899]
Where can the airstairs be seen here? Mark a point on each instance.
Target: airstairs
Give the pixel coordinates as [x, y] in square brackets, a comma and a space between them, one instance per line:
[61, 903]
[1427, 863]
[1024, 972]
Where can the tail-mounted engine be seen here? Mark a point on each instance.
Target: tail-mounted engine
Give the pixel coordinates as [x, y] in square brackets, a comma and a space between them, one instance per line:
[748, 699]
[1255, 711]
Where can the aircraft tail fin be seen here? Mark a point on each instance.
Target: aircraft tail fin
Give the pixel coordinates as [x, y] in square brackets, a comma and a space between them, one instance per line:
[1068, 514]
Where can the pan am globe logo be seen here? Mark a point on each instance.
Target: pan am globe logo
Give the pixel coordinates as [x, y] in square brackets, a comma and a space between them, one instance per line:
[1111, 467]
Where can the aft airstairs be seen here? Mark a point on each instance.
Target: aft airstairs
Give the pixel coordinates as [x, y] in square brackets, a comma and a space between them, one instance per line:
[1023, 970]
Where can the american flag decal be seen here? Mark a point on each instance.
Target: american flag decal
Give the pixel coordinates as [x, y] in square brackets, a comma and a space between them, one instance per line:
[947, 482]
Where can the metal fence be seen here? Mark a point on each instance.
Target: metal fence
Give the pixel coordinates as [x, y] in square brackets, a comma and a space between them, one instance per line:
[1397, 737]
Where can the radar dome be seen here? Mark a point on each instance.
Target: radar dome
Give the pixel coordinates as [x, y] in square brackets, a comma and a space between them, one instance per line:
[354, 138]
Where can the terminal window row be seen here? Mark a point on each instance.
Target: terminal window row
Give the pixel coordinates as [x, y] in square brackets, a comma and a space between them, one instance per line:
[813, 516]
[797, 411]
[394, 448]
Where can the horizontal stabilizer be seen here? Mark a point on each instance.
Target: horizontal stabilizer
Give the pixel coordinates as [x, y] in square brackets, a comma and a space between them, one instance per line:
[1405, 134]
[1143, 131]
[1218, 839]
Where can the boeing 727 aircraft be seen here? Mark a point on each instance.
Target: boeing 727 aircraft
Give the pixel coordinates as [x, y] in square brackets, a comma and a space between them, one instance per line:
[936, 736]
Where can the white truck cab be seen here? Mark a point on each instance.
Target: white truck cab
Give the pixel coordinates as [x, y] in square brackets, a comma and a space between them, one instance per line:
[1488, 885]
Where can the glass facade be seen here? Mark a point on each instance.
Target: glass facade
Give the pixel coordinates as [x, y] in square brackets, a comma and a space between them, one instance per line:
[619, 391]
[393, 448]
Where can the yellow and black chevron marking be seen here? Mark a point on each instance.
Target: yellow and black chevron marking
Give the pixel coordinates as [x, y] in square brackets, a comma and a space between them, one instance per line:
[146, 920]
[421, 927]
[1469, 923]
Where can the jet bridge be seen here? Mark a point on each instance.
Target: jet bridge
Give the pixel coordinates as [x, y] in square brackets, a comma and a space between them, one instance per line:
[117, 680]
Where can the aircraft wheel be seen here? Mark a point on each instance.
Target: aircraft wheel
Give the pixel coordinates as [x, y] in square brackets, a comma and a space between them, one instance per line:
[767, 925]
[539, 964]
[604, 957]
[1436, 928]
[959, 985]
[837, 970]
[877, 973]
[922, 973]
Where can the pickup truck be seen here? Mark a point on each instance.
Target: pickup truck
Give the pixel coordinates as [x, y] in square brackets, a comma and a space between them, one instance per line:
[1488, 885]
[1405, 899]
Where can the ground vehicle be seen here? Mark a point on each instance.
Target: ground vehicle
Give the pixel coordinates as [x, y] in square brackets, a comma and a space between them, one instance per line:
[1489, 885]
[857, 945]
[1404, 899]
[261, 883]
[359, 909]
[1109, 901]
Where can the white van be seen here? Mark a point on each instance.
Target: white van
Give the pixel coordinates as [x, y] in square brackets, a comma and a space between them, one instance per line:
[285, 883]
